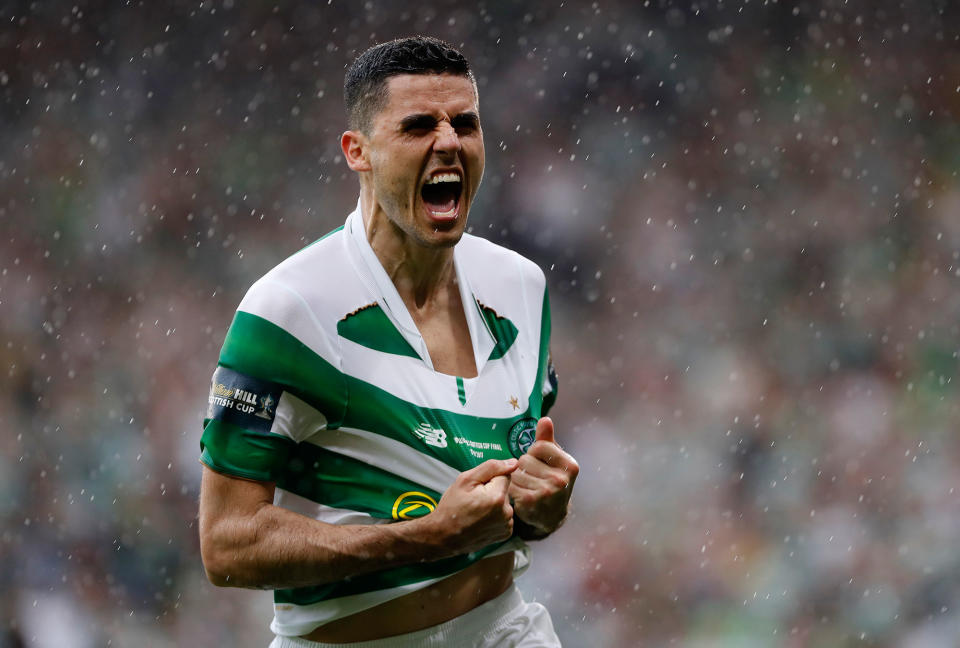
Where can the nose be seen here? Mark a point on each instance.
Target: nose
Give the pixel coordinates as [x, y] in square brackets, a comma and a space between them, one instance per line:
[447, 141]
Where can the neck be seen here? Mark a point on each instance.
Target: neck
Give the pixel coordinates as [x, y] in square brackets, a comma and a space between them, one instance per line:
[419, 273]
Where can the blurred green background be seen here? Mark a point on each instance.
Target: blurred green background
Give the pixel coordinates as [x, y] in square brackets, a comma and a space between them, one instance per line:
[749, 217]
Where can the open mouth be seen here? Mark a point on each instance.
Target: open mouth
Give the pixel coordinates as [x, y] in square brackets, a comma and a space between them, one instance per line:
[441, 195]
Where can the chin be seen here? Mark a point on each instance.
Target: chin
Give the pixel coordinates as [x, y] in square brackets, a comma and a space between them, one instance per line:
[442, 238]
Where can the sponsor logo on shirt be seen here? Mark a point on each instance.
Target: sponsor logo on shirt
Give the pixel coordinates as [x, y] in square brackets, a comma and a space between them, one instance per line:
[413, 504]
[430, 435]
[243, 400]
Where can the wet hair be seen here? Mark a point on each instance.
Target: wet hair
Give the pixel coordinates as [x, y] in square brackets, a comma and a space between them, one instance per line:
[365, 84]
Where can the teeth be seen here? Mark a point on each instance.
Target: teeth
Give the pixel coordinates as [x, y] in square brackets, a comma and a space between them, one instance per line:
[443, 177]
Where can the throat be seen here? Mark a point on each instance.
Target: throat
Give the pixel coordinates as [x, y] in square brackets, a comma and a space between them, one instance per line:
[443, 326]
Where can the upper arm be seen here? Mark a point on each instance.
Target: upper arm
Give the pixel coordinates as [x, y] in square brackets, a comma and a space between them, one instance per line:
[223, 496]
[226, 504]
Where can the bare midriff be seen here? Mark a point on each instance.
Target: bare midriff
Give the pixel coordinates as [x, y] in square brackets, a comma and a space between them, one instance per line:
[432, 605]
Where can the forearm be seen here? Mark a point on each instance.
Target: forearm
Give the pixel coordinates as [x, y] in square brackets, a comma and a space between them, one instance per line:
[246, 541]
[278, 549]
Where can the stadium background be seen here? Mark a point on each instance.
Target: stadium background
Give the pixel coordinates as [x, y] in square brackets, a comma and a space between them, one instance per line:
[749, 217]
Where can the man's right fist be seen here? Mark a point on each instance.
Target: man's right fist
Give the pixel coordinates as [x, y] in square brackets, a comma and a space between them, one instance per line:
[475, 511]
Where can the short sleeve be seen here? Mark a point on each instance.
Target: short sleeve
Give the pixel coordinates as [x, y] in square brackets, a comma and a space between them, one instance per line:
[237, 435]
[270, 390]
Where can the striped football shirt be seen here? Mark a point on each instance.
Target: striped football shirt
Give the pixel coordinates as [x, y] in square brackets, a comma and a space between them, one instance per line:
[325, 387]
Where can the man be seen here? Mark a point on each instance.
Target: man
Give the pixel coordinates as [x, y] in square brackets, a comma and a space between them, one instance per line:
[375, 449]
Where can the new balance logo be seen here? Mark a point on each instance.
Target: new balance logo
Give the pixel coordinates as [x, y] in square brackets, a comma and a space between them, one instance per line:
[431, 435]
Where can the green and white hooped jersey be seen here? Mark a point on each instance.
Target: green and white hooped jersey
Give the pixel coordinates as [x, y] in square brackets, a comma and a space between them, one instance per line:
[325, 387]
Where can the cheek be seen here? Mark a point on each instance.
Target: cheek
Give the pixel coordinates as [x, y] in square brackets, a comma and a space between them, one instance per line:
[388, 173]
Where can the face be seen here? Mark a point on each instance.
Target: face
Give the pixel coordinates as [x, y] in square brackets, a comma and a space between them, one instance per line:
[425, 155]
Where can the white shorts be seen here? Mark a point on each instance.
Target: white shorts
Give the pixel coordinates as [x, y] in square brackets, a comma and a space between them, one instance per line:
[504, 622]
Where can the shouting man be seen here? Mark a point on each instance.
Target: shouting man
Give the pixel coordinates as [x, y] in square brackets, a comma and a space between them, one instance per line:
[376, 448]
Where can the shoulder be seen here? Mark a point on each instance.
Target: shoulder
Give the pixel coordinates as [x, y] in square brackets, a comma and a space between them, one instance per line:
[504, 282]
[490, 264]
[314, 284]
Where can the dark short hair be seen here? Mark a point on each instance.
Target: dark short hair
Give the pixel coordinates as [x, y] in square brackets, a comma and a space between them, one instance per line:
[365, 84]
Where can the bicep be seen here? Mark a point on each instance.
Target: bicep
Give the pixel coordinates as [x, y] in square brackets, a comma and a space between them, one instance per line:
[223, 495]
[226, 501]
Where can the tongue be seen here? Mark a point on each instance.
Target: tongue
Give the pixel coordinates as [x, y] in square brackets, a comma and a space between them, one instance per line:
[440, 197]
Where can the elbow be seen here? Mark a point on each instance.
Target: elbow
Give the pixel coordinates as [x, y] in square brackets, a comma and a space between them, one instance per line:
[218, 575]
[219, 579]
[216, 567]
[222, 572]
[221, 563]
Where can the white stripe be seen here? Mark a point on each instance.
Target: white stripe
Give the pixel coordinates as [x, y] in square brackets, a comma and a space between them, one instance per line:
[322, 512]
[296, 419]
[394, 457]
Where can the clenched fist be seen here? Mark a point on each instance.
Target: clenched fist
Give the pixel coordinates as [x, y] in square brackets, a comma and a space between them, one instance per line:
[541, 486]
[475, 511]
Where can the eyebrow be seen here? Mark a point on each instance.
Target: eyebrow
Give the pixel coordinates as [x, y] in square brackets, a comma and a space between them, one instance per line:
[423, 120]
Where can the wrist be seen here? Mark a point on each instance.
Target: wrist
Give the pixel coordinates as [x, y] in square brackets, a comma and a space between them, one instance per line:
[528, 531]
[430, 535]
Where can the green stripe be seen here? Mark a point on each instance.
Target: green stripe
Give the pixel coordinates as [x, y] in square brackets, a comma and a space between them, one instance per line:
[538, 407]
[377, 410]
[461, 393]
[263, 350]
[370, 327]
[343, 482]
[504, 331]
[230, 449]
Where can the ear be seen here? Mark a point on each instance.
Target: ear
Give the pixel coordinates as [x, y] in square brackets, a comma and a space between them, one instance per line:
[354, 146]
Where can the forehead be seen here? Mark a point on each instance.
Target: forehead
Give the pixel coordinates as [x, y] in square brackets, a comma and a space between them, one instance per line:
[434, 94]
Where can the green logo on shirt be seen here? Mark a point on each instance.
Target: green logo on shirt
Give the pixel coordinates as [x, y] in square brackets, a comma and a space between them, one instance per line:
[521, 436]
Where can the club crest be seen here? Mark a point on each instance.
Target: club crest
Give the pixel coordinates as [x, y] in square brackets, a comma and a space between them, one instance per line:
[521, 436]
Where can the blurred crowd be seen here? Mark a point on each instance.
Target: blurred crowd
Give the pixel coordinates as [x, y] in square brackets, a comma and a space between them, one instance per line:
[749, 217]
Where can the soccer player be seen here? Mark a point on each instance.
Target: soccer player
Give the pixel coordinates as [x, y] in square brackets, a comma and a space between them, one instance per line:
[376, 448]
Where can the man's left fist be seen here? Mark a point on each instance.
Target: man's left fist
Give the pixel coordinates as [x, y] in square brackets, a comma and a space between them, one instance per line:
[540, 487]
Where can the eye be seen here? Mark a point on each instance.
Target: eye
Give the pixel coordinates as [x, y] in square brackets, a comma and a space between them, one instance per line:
[419, 125]
[465, 124]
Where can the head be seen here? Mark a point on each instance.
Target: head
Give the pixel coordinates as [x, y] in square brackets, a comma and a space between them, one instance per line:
[365, 85]
[415, 137]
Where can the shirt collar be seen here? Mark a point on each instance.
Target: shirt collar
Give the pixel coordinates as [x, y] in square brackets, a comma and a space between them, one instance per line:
[391, 303]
